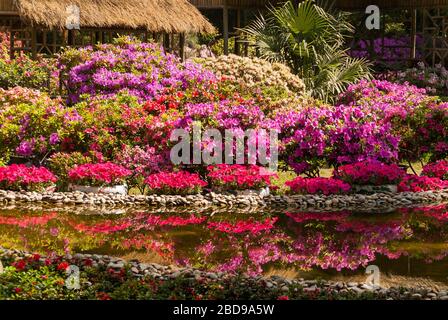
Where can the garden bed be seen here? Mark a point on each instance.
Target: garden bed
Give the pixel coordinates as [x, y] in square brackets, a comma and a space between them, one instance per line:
[134, 280]
[350, 201]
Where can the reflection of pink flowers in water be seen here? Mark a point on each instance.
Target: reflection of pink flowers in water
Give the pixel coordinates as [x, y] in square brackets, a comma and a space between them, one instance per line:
[207, 249]
[25, 222]
[163, 248]
[300, 217]
[305, 240]
[104, 227]
[232, 265]
[260, 256]
[54, 232]
[254, 227]
[154, 220]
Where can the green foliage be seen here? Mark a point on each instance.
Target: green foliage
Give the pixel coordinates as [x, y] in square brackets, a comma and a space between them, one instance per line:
[35, 128]
[311, 42]
[48, 283]
[61, 163]
[24, 72]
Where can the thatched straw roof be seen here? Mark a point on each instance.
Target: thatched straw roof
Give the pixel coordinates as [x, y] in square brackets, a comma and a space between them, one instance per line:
[171, 16]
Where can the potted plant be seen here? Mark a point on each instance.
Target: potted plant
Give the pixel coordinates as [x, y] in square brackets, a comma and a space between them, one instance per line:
[99, 178]
[19, 177]
[371, 176]
[325, 186]
[175, 183]
[240, 179]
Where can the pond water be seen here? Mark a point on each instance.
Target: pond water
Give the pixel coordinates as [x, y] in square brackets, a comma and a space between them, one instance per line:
[405, 243]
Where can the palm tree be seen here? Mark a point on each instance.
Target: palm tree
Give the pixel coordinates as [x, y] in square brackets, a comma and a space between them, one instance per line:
[310, 39]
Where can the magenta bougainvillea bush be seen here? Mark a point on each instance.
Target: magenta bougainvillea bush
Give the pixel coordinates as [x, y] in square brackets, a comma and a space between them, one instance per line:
[98, 174]
[370, 173]
[324, 186]
[335, 135]
[239, 177]
[181, 182]
[419, 122]
[437, 169]
[413, 183]
[20, 177]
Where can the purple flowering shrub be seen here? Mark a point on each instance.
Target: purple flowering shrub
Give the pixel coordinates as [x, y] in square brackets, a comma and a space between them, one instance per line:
[335, 135]
[373, 120]
[389, 50]
[143, 69]
[419, 121]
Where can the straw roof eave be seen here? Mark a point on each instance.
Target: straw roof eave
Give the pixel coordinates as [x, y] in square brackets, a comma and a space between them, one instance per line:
[170, 16]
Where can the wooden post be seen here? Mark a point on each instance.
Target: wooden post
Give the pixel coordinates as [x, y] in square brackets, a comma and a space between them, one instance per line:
[11, 45]
[166, 41]
[225, 20]
[34, 43]
[414, 34]
[182, 46]
[71, 38]
[237, 39]
[172, 43]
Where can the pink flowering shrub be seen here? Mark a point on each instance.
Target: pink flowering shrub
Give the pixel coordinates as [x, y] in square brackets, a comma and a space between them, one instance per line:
[419, 122]
[437, 169]
[328, 135]
[324, 186]
[370, 173]
[413, 183]
[100, 174]
[20, 177]
[178, 183]
[239, 177]
[142, 162]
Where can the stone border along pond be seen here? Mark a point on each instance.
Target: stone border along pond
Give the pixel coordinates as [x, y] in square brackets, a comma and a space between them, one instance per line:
[308, 287]
[361, 202]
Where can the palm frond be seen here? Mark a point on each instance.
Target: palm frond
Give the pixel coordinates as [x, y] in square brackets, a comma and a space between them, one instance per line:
[310, 39]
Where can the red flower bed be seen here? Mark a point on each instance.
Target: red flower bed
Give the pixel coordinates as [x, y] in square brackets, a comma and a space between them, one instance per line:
[437, 169]
[412, 183]
[180, 182]
[99, 174]
[370, 172]
[239, 177]
[20, 177]
[324, 186]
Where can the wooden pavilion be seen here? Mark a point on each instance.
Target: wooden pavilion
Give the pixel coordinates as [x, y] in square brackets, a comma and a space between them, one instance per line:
[40, 26]
[426, 19]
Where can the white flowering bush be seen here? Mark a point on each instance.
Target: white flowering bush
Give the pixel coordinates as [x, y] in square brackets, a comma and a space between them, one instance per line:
[252, 75]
